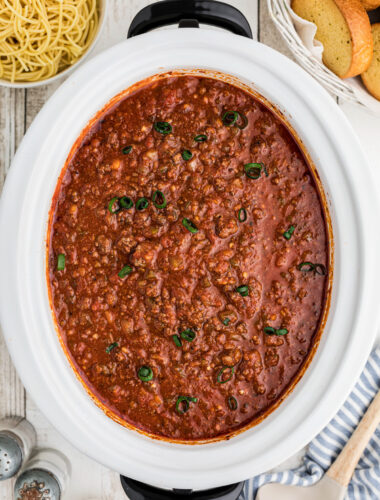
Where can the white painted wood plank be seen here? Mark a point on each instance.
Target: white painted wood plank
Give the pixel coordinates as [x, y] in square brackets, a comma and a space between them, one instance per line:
[12, 104]
[12, 394]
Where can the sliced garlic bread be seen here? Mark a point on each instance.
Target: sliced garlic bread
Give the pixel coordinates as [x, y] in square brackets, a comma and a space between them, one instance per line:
[371, 77]
[370, 4]
[344, 30]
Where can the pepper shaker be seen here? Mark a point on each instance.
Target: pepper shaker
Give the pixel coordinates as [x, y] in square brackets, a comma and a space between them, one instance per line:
[44, 477]
[17, 438]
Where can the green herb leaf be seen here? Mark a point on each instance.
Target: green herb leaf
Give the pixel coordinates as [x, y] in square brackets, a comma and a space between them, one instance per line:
[187, 154]
[126, 202]
[189, 225]
[142, 204]
[111, 204]
[220, 378]
[183, 404]
[243, 290]
[111, 346]
[242, 215]
[229, 118]
[288, 234]
[177, 340]
[200, 138]
[159, 200]
[188, 335]
[308, 267]
[163, 128]
[253, 170]
[124, 271]
[61, 262]
[269, 330]
[232, 403]
[145, 373]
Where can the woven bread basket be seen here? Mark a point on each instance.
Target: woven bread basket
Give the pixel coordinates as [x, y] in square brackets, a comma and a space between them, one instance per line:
[351, 90]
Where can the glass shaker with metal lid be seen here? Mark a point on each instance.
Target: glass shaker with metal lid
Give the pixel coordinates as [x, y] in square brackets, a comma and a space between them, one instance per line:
[44, 477]
[17, 438]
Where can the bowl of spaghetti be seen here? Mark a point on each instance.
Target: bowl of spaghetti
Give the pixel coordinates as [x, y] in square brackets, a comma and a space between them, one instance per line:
[43, 40]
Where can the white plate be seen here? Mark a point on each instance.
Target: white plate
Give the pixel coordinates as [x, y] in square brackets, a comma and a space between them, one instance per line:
[24, 308]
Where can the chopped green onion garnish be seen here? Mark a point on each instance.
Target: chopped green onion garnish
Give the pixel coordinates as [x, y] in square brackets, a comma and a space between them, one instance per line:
[126, 150]
[188, 335]
[163, 128]
[126, 202]
[244, 119]
[114, 200]
[145, 373]
[159, 199]
[142, 204]
[61, 262]
[187, 155]
[253, 170]
[183, 404]
[111, 346]
[269, 330]
[232, 403]
[229, 118]
[226, 321]
[200, 138]
[242, 215]
[320, 269]
[124, 271]
[177, 340]
[189, 225]
[219, 378]
[243, 290]
[281, 331]
[307, 267]
[288, 234]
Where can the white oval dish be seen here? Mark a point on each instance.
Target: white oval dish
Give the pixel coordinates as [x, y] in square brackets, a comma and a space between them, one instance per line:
[24, 307]
[103, 10]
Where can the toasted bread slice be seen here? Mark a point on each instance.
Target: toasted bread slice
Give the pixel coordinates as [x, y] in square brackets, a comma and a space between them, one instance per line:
[370, 4]
[344, 29]
[371, 77]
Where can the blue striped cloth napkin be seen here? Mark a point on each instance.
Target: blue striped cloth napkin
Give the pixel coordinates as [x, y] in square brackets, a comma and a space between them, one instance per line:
[322, 451]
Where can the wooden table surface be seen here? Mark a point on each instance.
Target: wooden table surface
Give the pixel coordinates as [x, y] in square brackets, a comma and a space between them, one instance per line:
[89, 480]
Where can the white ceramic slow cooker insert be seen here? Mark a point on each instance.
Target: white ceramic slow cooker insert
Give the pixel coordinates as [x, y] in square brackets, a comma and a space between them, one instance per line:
[24, 306]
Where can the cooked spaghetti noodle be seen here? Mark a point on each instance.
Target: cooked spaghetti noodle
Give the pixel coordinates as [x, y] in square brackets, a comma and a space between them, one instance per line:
[40, 38]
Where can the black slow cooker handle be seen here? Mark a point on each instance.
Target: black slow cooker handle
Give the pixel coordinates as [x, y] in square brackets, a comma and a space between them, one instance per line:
[140, 491]
[189, 13]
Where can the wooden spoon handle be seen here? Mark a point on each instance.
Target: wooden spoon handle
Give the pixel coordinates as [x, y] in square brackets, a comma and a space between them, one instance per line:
[343, 467]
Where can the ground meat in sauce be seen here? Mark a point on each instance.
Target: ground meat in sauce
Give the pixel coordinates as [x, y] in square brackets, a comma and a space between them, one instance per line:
[181, 280]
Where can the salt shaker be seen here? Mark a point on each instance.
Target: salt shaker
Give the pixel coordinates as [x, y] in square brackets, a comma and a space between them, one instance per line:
[17, 438]
[44, 477]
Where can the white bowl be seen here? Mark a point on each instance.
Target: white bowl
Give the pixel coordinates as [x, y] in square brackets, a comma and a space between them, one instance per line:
[24, 307]
[103, 10]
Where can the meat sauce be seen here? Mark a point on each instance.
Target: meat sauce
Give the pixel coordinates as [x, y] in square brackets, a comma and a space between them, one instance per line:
[188, 259]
